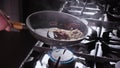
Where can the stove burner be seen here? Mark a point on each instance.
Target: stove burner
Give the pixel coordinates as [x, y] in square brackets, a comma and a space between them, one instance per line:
[50, 59]
[114, 12]
[61, 58]
[66, 56]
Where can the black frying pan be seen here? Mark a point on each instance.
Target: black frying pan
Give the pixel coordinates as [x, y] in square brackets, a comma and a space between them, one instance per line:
[50, 19]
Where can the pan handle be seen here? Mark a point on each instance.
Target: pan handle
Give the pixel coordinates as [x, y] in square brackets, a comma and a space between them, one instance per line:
[14, 24]
[17, 25]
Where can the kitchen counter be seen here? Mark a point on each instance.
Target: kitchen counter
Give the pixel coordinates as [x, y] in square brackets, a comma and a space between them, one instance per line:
[15, 46]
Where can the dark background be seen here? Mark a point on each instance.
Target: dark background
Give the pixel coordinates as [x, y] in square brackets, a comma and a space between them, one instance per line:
[30, 6]
[15, 46]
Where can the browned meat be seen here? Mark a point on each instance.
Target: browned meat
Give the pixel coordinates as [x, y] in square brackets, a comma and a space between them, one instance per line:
[63, 34]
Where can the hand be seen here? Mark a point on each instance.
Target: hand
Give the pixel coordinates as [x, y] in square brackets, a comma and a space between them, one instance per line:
[4, 24]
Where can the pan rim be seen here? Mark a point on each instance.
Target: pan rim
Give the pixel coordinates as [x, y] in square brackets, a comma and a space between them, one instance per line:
[85, 22]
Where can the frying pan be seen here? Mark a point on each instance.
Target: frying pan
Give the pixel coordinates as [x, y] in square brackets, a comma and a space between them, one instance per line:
[49, 19]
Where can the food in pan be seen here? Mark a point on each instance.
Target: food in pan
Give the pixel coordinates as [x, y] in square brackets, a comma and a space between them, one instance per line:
[63, 34]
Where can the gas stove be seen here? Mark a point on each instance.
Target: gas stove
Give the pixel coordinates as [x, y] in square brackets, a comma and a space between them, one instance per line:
[100, 49]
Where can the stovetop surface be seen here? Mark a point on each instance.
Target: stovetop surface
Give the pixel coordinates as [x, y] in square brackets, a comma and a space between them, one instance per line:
[100, 49]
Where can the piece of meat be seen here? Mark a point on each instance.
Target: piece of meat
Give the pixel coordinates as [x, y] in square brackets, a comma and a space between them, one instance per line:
[67, 34]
